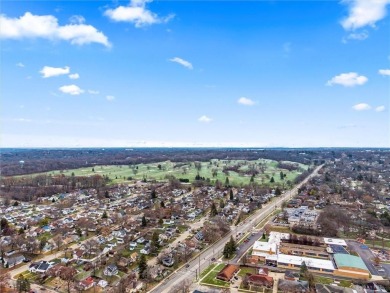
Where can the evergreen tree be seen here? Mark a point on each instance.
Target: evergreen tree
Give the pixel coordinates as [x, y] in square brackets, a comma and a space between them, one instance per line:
[231, 194]
[160, 222]
[153, 194]
[272, 180]
[4, 224]
[277, 191]
[143, 267]
[22, 284]
[104, 216]
[221, 204]
[281, 175]
[230, 248]
[21, 231]
[213, 210]
[252, 179]
[155, 245]
[162, 204]
[143, 224]
[227, 181]
[303, 269]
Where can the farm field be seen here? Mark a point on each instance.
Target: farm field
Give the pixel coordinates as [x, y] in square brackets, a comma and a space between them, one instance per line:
[214, 169]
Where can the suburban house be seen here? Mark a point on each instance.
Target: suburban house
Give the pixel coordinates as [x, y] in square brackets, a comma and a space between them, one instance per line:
[40, 267]
[260, 281]
[87, 283]
[13, 261]
[227, 273]
[110, 270]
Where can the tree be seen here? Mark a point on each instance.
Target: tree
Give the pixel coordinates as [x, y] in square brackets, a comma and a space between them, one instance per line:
[303, 269]
[42, 243]
[143, 222]
[143, 267]
[4, 279]
[153, 195]
[4, 224]
[272, 180]
[230, 248]
[221, 204]
[278, 191]
[162, 204]
[66, 274]
[160, 222]
[155, 245]
[227, 181]
[281, 175]
[22, 284]
[231, 196]
[213, 210]
[104, 216]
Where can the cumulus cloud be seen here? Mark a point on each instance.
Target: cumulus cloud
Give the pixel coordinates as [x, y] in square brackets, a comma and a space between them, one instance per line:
[246, 101]
[20, 64]
[137, 13]
[74, 76]
[110, 98]
[72, 89]
[48, 71]
[47, 27]
[384, 71]
[361, 107]
[182, 62]
[204, 119]
[348, 79]
[364, 13]
[380, 108]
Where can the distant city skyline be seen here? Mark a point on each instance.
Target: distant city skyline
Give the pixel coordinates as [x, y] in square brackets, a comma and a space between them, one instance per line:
[195, 74]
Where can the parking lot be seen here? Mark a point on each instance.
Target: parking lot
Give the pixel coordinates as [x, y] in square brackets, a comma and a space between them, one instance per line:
[367, 256]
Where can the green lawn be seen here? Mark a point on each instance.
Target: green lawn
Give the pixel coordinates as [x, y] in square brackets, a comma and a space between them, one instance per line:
[323, 280]
[243, 271]
[209, 276]
[152, 171]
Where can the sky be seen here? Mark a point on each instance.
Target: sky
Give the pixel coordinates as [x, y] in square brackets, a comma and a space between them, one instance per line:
[195, 73]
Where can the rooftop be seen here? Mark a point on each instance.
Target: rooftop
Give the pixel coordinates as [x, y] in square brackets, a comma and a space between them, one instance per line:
[335, 241]
[347, 260]
[310, 262]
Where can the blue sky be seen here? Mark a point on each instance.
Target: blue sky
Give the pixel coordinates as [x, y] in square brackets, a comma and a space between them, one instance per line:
[201, 73]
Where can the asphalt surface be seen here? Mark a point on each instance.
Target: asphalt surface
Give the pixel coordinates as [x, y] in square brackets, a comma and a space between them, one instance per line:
[244, 246]
[190, 271]
[366, 255]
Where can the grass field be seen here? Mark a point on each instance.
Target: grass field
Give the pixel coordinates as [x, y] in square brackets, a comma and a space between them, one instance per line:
[209, 277]
[212, 169]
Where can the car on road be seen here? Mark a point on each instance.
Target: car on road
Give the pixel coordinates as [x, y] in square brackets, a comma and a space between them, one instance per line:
[213, 259]
[26, 260]
[187, 265]
[381, 270]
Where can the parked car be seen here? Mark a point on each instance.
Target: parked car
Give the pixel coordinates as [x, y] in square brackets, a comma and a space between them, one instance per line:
[213, 259]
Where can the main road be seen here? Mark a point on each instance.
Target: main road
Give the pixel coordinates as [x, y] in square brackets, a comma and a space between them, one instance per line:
[203, 260]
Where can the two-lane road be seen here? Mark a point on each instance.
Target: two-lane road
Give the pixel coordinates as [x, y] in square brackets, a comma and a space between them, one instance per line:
[197, 265]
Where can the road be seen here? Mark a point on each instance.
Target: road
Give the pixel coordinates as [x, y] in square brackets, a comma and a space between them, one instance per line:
[197, 265]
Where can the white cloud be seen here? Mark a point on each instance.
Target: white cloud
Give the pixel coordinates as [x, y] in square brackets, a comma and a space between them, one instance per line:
[74, 76]
[110, 98]
[136, 13]
[363, 13]
[47, 27]
[361, 107]
[205, 119]
[72, 89]
[181, 61]
[348, 79]
[20, 64]
[93, 92]
[246, 101]
[384, 71]
[356, 36]
[77, 19]
[380, 108]
[48, 71]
